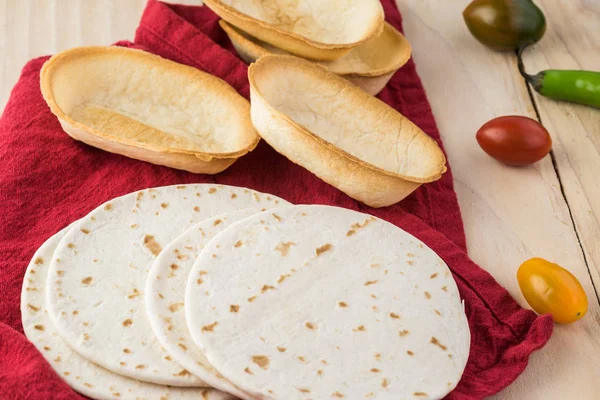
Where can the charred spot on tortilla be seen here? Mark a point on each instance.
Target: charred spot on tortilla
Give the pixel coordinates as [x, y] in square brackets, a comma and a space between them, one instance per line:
[151, 244]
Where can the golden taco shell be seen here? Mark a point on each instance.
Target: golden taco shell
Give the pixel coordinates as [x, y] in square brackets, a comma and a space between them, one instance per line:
[346, 137]
[313, 29]
[370, 65]
[142, 106]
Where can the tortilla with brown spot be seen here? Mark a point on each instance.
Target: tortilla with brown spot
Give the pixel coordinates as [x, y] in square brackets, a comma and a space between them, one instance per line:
[360, 298]
[161, 294]
[105, 292]
[90, 379]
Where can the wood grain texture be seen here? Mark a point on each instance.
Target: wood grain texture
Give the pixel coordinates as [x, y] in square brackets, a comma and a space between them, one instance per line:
[4, 38]
[33, 28]
[572, 41]
[510, 214]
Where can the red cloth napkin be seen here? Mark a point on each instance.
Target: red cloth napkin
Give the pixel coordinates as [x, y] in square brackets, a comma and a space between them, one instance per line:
[48, 180]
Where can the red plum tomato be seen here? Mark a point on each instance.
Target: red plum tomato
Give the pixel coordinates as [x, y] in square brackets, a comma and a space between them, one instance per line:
[514, 140]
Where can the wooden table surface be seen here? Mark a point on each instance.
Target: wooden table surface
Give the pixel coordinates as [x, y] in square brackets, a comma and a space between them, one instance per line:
[550, 210]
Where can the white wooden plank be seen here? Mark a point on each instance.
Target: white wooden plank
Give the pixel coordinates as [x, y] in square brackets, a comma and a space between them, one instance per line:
[67, 16]
[510, 214]
[15, 54]
[124, 20]
[3, 51]
[572, 41]
[41, 28]
[94, 20]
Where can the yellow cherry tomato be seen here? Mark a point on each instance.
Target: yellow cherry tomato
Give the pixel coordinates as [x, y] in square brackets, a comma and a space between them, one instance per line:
[551, 289]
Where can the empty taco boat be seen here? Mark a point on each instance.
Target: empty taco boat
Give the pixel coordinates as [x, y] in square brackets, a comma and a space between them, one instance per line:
[313, 29]
[346, 137]
[370, 65]
[142, 106]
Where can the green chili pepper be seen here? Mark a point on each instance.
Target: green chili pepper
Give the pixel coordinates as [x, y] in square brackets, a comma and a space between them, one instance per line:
[582, 87]
[505, 24]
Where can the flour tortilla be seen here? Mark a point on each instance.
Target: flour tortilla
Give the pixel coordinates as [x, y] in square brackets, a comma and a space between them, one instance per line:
[83, 376]
[324, 302]
[165, 293]
[95, 289]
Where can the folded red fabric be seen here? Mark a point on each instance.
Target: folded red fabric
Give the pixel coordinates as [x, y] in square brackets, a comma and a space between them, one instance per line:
[48, 180]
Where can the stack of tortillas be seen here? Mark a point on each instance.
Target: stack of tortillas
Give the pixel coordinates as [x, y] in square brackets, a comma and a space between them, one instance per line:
[219, 292]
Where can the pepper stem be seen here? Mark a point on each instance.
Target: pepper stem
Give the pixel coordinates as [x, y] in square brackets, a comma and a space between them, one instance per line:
[533, 80]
